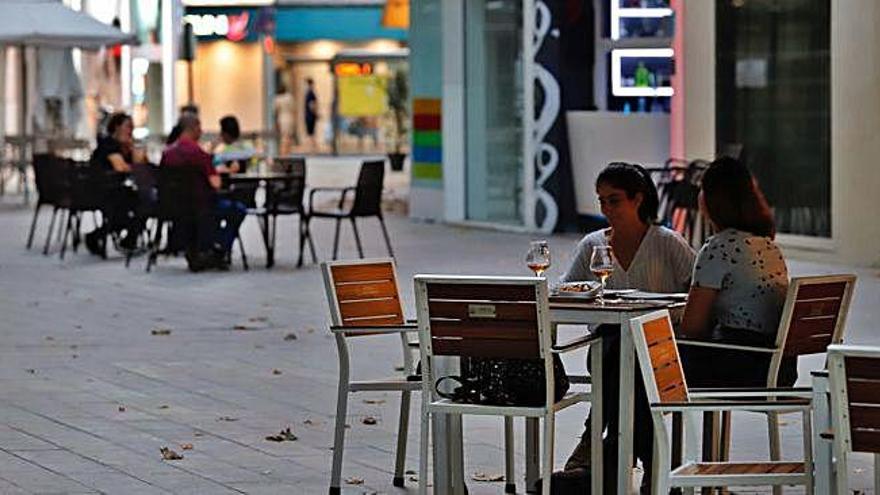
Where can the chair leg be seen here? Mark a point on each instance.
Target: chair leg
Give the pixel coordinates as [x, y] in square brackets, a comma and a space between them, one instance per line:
[775, 448]
[341, 413]
[532, 456]
[336, 239]
[385, 234]
[51, 231]
[509, 456]
[68, 228]
[311, 243]
[876, 473]
[30, 239]
[63, 222]
[244, 261]
[547, 455]
[424, 433]
[402, 431]
[660, 465]
[357, 237]
[154, 246]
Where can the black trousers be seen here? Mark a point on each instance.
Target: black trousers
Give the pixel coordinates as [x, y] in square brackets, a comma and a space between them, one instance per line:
[703, 367]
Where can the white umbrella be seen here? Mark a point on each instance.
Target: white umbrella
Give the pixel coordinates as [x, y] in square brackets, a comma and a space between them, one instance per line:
[50, 23]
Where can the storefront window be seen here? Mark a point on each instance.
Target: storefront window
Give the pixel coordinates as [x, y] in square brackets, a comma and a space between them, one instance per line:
[494, 110]
[773, 103]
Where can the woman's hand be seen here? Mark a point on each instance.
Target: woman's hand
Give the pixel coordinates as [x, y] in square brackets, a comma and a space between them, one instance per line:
[696, 323]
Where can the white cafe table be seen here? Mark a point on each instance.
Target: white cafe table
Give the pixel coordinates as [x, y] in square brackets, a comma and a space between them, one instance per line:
[569, 310]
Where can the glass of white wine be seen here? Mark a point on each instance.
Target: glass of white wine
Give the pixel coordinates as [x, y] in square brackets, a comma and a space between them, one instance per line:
[602, 265]
[538, 257]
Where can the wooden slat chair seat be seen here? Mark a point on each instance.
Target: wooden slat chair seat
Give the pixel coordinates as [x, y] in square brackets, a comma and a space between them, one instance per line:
[487, 317]
[667, 392]
[813, 317]
[854, 377]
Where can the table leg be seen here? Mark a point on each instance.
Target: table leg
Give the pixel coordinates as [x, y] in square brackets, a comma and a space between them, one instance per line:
[627, 411]
[266, 229]
[596, 419]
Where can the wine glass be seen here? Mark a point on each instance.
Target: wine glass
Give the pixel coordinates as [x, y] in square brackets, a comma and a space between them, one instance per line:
[602, 265]
[538, 257]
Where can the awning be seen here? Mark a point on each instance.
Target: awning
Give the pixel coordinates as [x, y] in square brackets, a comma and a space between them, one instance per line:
[50, 23]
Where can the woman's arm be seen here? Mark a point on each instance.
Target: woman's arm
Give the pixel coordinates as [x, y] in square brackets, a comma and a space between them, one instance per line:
[697, 320]
[118, 162]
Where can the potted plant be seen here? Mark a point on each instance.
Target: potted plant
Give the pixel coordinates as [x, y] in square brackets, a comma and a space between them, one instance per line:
[398, 105]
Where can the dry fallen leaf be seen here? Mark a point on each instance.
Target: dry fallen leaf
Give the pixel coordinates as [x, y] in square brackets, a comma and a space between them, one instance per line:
[310, 330]
[186, 446]
[374, 401]
[308, 422]
[227, 418]
[121, 408]
[354, 481]
[481, 476]
[31, 371]
[284, 435]
[170, 455]
[369, 420]
[290, 336]
[398, 368]
[410, 471]
[164, 406]
[198, 434]
[276, 371]
[50, 338]
[161, 331]
[258, 318]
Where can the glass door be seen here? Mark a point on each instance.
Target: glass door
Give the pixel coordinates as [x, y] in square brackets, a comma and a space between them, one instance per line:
[493, 110]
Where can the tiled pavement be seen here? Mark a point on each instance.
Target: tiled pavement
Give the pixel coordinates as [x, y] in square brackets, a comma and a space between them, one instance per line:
[88, 394]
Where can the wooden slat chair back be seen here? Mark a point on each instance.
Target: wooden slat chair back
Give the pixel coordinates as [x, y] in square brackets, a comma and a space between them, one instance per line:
[484, 320]
[814, 314]
[364, 299]
[667, 391]
[364, 294]
[487, 317]
[854, 374]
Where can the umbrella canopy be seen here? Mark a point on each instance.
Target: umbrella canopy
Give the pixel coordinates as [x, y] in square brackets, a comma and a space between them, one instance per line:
[50, 23]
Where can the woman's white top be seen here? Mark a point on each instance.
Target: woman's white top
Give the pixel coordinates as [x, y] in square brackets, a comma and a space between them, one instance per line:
[663, 262]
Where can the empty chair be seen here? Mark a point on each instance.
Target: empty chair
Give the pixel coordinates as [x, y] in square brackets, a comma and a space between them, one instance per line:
[51, 178]
[366, 202]
[285, 197]
[854, 374]
[667, 392]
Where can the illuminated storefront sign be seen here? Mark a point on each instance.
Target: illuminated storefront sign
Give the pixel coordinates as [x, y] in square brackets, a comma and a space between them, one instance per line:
[223, 23]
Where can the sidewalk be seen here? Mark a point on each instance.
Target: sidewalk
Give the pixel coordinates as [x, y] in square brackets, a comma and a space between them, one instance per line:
[101, 366]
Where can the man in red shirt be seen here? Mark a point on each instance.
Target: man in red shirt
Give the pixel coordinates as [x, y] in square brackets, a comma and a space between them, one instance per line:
[218, 230]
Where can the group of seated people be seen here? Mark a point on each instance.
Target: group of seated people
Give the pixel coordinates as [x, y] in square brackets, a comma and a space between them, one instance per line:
[208, 240]
[736, 287]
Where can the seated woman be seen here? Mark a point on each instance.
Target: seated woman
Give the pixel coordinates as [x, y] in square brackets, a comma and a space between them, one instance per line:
[647, 257]
[739, 284]
[231, 155]
[115, 154]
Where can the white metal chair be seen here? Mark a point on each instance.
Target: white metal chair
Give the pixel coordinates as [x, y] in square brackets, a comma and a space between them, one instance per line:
[813, 317]
[488, 317]
[854, 376]
[668, 392]
[364, 299]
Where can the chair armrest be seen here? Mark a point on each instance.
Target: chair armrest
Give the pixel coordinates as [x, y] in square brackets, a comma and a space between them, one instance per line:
[750, 393]
[577, 343]
[721, 345]
[370, 330]
[735, 405]
[342, 190]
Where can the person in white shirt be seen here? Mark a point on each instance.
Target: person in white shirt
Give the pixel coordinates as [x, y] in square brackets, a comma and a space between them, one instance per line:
[647, 257]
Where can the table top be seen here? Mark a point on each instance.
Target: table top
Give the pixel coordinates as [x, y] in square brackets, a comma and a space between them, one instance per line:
[253, 177]
[561, 301]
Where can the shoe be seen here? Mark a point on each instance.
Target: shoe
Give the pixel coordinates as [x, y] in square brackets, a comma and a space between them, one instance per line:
[129, 242]
[198, 261]
[96, 244]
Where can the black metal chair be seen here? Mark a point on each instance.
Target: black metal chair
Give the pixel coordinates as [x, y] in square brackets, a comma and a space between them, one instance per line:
[51, 177]
[367, 202]
[176, 208]
[285, 197]
[88, 190]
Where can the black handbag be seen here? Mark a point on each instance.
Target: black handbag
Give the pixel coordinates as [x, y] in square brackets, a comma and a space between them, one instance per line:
[505, 382]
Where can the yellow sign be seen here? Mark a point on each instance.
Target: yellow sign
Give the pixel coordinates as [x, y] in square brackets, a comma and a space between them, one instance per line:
[396, 14]
[362, 96]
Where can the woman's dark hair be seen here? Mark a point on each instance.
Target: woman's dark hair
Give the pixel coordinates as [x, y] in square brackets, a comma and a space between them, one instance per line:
[116, 120]
[734, 200]
[633, 179]
[229, 126]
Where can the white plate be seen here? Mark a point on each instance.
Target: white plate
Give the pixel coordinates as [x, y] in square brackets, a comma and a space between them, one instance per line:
[586, 289]
[667, 296]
